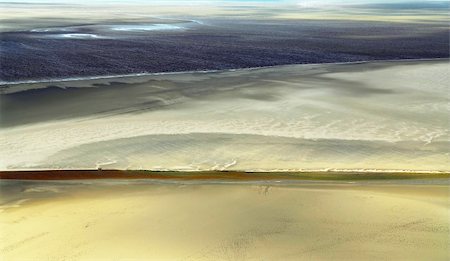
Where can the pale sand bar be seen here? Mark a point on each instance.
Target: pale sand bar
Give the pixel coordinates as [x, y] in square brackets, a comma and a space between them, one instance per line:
[381, 115]
[224, 220]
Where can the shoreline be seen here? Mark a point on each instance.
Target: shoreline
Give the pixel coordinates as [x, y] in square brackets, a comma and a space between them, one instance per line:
[4, 84]
[219, 175]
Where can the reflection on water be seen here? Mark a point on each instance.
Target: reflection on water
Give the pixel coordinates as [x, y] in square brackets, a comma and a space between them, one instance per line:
[144, 27]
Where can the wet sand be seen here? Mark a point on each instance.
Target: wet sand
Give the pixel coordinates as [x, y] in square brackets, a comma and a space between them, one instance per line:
[217, 175]
[224, 220]
[376, 115]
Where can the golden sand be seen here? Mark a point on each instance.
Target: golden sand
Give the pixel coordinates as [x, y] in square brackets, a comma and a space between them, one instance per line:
[93, 220]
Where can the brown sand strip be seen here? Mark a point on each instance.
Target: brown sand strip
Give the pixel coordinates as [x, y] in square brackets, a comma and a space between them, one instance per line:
[207, 175]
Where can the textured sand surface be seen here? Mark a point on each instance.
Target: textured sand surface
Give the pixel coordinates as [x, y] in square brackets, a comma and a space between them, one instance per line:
[391, 115]
[194, 221]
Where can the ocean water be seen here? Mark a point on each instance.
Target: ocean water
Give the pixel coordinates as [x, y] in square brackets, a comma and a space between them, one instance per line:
[117, 48]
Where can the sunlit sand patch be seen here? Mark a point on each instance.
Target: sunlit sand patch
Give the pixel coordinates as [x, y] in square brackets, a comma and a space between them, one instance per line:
[229, 221]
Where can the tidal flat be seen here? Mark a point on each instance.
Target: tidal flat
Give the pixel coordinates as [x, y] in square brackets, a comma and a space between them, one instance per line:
[224, 130]
[355, 116]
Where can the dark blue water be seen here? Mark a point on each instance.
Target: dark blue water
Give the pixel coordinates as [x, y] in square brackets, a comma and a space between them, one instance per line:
[216, 44]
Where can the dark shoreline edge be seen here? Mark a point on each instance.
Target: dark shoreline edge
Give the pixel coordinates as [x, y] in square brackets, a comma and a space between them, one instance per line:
[4, 84]
[214, 175]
